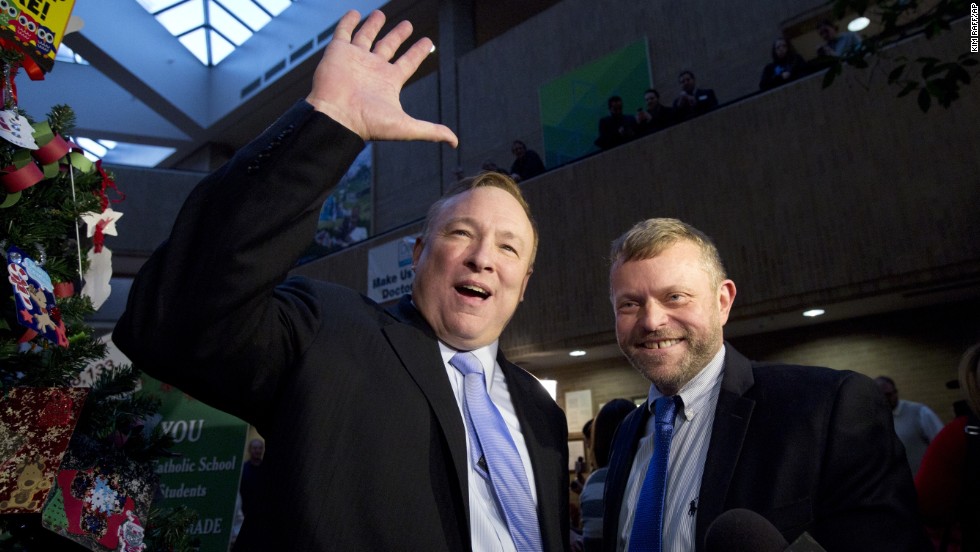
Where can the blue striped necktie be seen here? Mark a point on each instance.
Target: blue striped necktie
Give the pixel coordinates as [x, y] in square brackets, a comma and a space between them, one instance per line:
[648, 521]
[494, 452]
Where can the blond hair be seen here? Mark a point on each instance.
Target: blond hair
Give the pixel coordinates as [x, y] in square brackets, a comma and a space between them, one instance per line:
[969, 366]
[651, 237]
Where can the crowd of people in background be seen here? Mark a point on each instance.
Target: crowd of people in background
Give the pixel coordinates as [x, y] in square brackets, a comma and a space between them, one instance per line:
[620, 127]
[692, 101]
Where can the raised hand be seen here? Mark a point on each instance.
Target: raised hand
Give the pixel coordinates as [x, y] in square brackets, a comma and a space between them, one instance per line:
[358, 86]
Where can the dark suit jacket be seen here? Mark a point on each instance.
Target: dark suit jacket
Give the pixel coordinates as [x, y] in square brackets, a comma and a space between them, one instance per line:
[810, 449]
[706, 101]
[365, 442]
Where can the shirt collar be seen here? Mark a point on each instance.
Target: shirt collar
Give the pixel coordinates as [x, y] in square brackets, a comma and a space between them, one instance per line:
[486, 355]
[698, 392]
[898, 407]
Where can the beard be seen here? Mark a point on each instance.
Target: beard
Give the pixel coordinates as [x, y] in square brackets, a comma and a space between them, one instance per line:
[670, 375]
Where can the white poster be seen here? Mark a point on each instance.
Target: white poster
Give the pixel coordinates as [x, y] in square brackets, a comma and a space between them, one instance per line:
[390, 273]
[578, 409]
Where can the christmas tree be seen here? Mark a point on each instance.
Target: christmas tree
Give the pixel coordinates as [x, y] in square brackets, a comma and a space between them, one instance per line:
[78, 443]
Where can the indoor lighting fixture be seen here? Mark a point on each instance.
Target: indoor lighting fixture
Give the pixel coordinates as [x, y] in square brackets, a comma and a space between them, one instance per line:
[576, 353]
[858, 24]
[813, 313]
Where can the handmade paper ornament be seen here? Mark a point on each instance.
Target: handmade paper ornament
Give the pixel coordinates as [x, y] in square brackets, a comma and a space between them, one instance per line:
[99, 506]
[34, 297]
[16, 129]
[36, 424]
[131, 535]
[51, 149]
[21, 174]
[100, 224]
[97, 276]
[10, 200]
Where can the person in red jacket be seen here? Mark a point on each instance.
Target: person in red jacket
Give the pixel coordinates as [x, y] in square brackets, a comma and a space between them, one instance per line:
[948, 480]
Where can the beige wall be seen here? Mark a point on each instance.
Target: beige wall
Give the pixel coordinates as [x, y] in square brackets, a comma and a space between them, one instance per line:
[919, 348]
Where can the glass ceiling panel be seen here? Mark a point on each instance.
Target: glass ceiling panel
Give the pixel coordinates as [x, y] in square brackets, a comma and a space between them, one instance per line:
[123, 153]
[212, 29]
[156, 5]
[183, 17]
[227, 25]
[197, 43]
[249, 12]
[220, 48]
[275, 7]
[68, 55]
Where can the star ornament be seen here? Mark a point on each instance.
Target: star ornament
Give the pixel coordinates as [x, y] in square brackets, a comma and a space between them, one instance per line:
[106, 220]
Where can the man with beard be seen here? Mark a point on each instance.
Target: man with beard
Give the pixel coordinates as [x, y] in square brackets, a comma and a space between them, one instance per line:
[810, 449]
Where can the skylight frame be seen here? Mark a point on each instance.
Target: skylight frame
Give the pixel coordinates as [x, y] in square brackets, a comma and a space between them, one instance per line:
[208, 43]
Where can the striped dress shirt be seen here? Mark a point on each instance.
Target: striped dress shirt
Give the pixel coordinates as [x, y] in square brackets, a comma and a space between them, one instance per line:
[488, 527]
[685, 465]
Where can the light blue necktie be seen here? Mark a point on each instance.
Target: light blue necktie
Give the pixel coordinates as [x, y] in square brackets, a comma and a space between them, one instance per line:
[494, 451]
[648, 521]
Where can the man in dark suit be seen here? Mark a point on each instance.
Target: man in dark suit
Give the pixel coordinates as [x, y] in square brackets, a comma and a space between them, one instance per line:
[616, 128]
[810, 449]
[361, 408]
[693, 101]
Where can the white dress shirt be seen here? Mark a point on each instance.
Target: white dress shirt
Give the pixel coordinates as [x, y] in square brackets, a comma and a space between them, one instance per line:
[685, 465]
[488, 527]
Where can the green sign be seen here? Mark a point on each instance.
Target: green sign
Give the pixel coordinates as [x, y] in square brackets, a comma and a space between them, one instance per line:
[206, 474]
[572, 104]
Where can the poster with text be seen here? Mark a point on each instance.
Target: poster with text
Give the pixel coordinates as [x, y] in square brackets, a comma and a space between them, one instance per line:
[390, 274]
[36, 26]
[206, 474]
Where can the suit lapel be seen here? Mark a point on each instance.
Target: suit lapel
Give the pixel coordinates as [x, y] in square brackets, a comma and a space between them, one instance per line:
[731, 422]
[620, 463]
[416, 345]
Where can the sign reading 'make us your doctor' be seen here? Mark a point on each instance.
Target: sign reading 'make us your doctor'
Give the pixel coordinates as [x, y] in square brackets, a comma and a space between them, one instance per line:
[390, 273]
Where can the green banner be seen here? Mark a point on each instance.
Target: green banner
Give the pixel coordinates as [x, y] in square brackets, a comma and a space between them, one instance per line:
[572, 104]
[205, 476]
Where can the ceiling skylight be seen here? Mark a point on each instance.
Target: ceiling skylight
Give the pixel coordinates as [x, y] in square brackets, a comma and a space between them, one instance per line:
[123, 153]
[68, 55]
[212, 29]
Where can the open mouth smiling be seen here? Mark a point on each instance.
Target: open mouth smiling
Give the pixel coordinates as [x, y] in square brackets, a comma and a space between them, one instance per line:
[472, 290]
[660, 344]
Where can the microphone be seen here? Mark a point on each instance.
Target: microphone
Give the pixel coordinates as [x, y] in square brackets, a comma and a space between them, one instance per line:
[742, 530]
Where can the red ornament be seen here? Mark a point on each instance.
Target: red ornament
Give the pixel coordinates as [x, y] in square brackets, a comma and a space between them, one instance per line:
[64, 289]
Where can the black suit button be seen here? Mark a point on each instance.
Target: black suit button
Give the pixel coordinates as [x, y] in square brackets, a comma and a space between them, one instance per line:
[252, 169]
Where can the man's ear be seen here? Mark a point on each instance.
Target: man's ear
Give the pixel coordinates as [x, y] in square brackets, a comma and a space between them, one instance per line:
[524, 283]
[726, 297]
